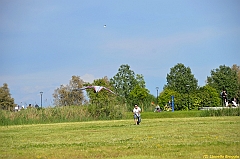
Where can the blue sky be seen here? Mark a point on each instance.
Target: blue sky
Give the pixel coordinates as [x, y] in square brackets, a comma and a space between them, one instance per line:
[43, 43]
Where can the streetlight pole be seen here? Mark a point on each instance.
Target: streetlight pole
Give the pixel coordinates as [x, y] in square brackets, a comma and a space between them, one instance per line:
[157, 94]
[41, 99]
[188, 94]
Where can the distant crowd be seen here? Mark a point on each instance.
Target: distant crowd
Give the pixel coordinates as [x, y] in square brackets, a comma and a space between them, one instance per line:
[226, 102]
[18, 107]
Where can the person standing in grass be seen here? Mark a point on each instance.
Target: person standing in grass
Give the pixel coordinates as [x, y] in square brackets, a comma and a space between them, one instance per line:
[136, 114]
[224, 98]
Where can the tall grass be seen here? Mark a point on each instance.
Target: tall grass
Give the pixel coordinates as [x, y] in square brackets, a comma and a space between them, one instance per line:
[94, 112]
[221, 112]
[61, 114]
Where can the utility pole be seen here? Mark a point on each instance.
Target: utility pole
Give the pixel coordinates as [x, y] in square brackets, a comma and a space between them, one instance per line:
[157, 95]
[41, 99]
[188, 94]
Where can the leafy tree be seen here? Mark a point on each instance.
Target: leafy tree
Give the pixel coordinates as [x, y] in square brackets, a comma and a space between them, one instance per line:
[208, 96]
[69, 94]
[139, 95]
[103, 103]
[224, 78]
[181, 79]
[130, 88]
[102, 97]
[124, 81]
[6, 101]
[165, 97]
[140, 81]
[149, 103]
[237, 69]
[204, 96]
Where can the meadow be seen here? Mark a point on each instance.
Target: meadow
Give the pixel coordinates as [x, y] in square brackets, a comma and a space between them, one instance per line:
[191, 137]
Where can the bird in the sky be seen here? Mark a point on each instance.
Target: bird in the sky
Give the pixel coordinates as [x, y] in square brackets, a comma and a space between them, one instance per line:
[96, 88]
[105, 26]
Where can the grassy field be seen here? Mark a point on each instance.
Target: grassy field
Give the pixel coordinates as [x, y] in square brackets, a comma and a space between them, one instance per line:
[193, 137]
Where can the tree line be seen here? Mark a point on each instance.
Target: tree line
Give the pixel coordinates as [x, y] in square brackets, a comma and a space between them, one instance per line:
[188, 95]
[130, 88]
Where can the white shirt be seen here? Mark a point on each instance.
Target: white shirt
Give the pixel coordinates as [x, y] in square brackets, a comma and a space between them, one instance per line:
[137, 111]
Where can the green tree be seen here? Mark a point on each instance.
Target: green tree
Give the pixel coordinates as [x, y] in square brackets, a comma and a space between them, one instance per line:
[140, 81]
[165, 97]
[130, 88]
[208, 96]
[139, 95]
[103, 103]
[69, 94]
[237, 69]
[103, 97]
[149, 104]
[124, 82]
[224, 78]
[6, 101]
[181, 79]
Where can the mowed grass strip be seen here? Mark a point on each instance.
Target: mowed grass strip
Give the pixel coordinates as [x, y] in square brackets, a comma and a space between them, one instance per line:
[154, 138]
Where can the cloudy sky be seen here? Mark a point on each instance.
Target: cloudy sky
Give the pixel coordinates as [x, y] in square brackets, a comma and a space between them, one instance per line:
[43, 43]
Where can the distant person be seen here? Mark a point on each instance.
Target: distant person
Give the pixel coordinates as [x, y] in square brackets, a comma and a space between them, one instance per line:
[36, 106]
[234, 102]
[226, 103]
[16, 108]
[137, 114]
[224, 98]
[157, 109]
[29, 106]
[169, 103]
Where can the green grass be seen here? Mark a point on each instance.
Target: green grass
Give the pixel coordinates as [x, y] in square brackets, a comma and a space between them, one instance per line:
[191, 137]
[189, 114]
[166, 114]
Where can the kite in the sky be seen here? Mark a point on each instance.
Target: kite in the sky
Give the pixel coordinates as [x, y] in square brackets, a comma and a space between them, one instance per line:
[96, 88]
